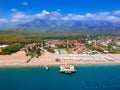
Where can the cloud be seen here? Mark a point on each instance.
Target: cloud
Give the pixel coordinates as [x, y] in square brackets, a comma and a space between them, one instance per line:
[107, 16]
[15, 20]
[104, 13]
[25, 3]
[104, 16]
[14, 10]
[73, 17]
[48, 15]
[89, 15]
[117, 12]
[18, 16]
[45, 12]
[3, 20]
[42, 15]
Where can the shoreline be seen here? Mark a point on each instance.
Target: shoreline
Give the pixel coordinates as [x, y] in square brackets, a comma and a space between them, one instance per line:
[19, 60]
[54, 65]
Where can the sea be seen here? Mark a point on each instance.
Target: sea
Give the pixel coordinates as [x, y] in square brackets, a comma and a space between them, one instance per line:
[87, 77]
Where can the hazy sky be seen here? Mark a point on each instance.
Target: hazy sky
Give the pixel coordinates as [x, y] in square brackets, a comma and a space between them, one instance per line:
[16, 11]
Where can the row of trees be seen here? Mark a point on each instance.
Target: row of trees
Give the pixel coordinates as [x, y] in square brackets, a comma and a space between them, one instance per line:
[11, 49]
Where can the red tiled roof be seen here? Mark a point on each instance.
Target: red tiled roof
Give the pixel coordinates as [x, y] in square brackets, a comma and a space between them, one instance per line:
[72, 41]
[57, 42]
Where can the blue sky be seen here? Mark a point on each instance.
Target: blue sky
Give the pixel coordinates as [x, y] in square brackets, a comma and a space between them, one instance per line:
[18, 11]
[66, 6]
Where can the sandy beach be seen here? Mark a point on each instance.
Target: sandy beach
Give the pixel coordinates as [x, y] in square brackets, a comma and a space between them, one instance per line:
[19, 59]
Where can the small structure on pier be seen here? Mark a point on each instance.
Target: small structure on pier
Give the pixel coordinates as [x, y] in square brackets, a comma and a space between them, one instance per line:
[67, 69]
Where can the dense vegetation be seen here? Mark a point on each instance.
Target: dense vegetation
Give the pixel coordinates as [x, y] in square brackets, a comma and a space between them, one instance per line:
[51, 50]
[91, 47]
[11, 39]
[23, 37]
[113, 50]
[11, 49]
[48, 35]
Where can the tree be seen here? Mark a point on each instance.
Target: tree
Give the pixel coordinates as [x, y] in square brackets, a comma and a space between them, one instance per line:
[33, 52]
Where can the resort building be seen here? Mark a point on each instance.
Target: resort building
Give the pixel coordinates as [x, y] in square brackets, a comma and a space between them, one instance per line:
[80, 48]
[72, 42]
[56, 43]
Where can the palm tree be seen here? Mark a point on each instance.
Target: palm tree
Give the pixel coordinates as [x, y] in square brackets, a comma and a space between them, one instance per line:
[33, 52]
[26, 51]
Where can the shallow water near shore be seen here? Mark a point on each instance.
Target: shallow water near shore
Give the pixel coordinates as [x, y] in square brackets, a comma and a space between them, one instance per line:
[88, 77]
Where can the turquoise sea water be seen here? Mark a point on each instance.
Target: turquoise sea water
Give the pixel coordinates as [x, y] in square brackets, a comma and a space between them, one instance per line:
[105, 77]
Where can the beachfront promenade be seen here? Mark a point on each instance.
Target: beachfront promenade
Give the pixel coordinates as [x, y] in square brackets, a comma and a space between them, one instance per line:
[19, 59]
[86, 57]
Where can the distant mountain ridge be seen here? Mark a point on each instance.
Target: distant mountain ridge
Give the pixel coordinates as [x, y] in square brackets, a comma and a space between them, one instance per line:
[71, 26]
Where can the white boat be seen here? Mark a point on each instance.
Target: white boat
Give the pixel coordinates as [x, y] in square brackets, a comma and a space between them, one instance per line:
[67, 69]
[46, 67]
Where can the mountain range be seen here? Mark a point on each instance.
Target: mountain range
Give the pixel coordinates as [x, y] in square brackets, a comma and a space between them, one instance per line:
[71, 26]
